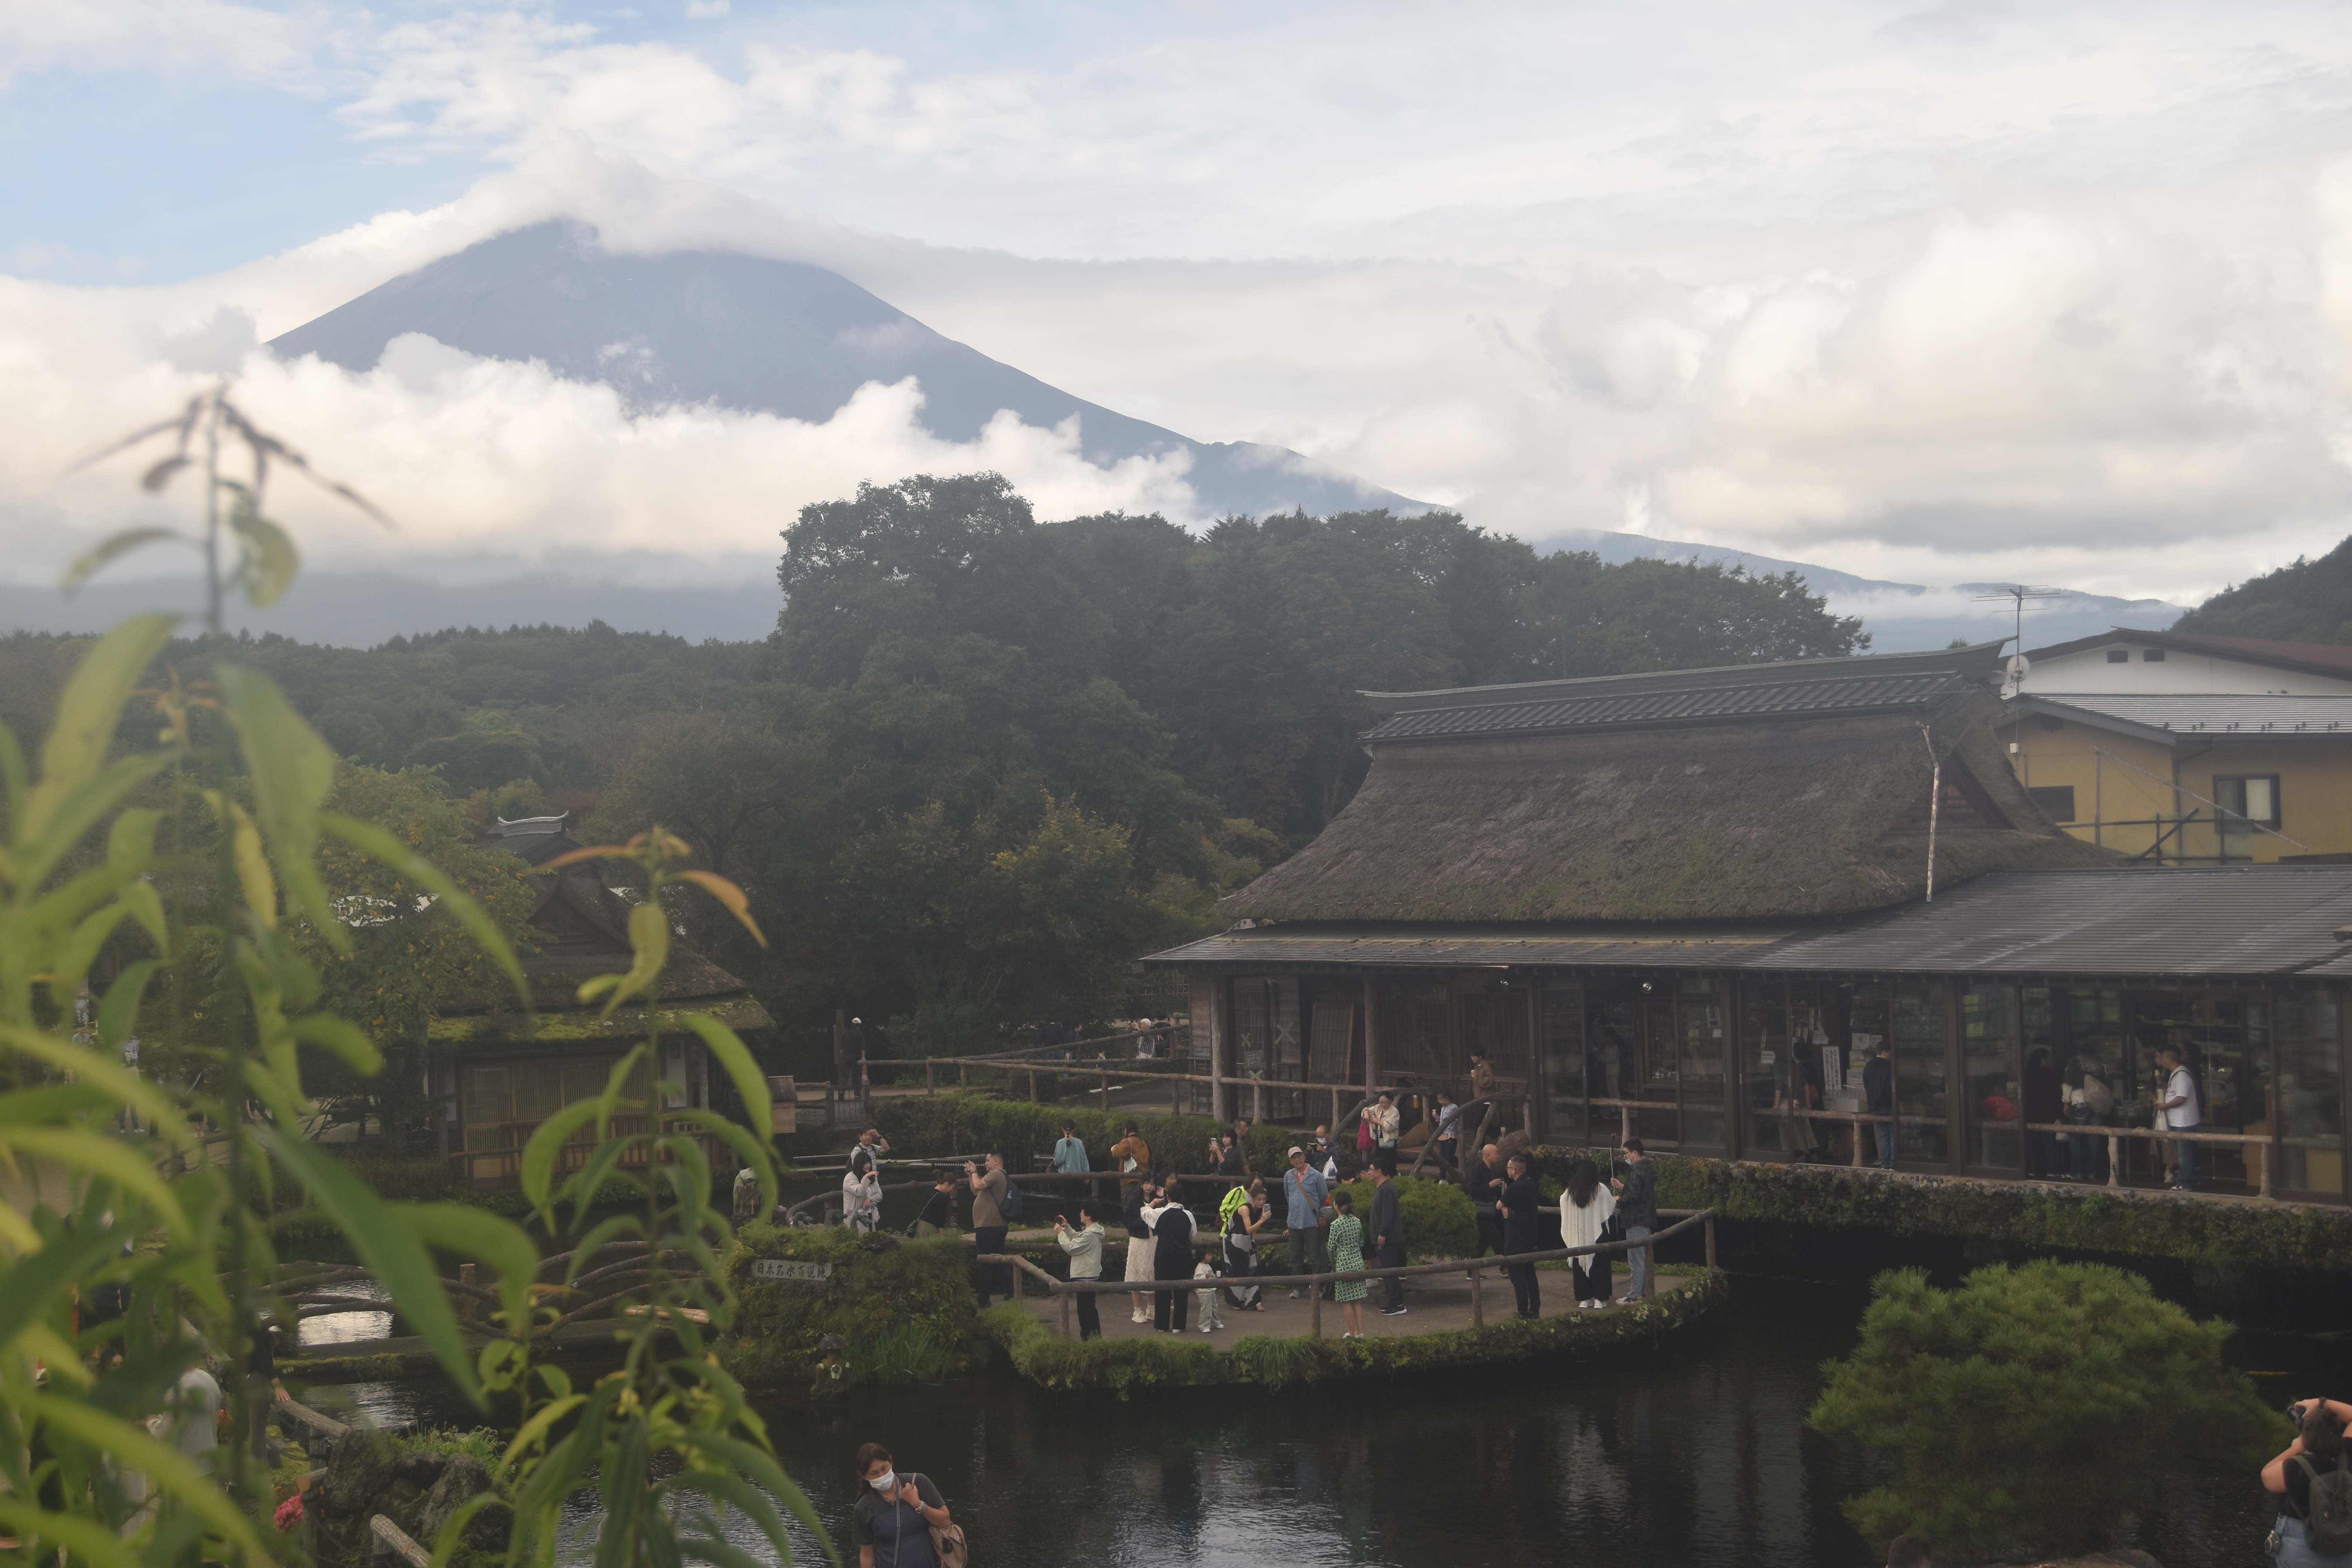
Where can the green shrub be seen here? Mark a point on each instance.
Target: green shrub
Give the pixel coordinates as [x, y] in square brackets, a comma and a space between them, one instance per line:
[902, 1309]
[1438, 1219]
[2036, 1408]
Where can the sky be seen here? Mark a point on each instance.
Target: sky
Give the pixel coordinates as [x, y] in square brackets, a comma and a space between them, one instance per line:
[2059, 293]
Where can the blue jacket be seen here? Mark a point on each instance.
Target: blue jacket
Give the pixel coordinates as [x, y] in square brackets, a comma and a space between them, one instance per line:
[1306, 1193]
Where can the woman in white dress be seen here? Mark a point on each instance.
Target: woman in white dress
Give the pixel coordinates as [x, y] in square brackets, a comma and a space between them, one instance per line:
[1585, 1208]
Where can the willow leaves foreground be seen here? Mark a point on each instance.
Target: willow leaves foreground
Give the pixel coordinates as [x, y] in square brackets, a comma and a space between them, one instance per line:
[168, 836]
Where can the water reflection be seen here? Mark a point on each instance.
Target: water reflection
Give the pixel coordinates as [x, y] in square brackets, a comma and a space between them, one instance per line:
[1693, 1455]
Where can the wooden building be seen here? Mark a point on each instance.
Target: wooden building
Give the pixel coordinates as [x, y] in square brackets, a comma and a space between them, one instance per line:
[1692, 902]
[501, 1071]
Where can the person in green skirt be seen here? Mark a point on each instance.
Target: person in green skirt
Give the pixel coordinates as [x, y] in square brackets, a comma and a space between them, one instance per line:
[1346, 1243]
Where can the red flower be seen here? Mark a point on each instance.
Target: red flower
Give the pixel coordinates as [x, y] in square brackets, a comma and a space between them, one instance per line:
[289, 1512]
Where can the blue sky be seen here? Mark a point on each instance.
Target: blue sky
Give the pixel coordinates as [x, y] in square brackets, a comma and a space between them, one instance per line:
[1929, 292]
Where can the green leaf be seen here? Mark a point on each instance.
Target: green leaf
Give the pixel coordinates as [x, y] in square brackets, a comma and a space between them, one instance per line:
[36, 1284]
[120, 1084]
[500, 1243]
[388, 1241]
[87, 1539]
[606, 1230]
[80, 1149]
[741, 1140]
[271, 560]
[170, 1471]
[114, 547]
[50, 1105]
[292, 772]
[117, 1011]
[543, 1421]
[380, 844]
[65, 815]
[88, 711]
[649, 937]
[341, 1036]
[546, 1145]
[749, 1082]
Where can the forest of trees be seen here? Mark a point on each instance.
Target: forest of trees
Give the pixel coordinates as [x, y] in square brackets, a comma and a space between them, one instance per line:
[984, 761]
[2307, 601]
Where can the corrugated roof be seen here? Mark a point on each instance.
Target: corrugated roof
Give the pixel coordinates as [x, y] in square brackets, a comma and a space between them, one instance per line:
[1706, 704]
[2210, 713]
[1606, 947]
[2161, 921]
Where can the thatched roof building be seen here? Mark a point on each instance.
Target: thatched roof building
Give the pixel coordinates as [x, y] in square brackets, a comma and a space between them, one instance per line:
[1752, 791]
[504, 1070]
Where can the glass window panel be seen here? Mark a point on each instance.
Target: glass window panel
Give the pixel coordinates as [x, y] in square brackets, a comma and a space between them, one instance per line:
[1331, 1023]
[2226, 1048]
[1764, 1049]
[1993, 1111]
[1612, 1051]
[1564, 1060]
[1922, 1098]
[1699, 1009]
[2311, 1091]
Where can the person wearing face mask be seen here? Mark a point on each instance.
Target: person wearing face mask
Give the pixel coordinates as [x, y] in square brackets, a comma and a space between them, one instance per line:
[891, 1525]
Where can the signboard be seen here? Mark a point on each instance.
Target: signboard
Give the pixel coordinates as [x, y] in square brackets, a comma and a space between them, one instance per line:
[785, 1268]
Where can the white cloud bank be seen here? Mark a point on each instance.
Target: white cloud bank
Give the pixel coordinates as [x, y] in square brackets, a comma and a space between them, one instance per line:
[1946, 295]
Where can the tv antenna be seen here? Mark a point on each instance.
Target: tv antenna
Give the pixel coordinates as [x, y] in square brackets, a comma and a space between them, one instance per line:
[2017, 595]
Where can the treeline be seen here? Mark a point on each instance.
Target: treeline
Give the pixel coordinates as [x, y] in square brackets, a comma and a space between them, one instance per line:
[2305, 601]
[983, 762]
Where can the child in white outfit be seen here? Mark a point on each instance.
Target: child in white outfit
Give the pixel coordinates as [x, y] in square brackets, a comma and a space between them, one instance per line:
[1206, 1295]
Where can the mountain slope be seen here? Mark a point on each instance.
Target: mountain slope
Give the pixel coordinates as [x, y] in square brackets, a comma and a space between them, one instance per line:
[778, 337]
[2309, 601]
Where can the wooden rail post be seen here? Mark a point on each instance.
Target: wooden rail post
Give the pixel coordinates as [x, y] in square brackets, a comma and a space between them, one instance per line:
[2263, 1153]
[1315, 1311]
[963, 1075]
[1624, 1124]
[1477, 1294]
[2114, 1161]
[1710, 1227]
[1033, 1086]
[1063, 1297]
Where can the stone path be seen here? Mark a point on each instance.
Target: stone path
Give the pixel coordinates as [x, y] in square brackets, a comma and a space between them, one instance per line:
[1432, 1302]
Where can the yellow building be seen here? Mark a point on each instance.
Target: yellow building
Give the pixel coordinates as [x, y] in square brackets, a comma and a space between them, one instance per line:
[2187, 748]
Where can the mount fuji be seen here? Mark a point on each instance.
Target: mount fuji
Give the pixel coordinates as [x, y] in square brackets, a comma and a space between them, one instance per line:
[786, 338]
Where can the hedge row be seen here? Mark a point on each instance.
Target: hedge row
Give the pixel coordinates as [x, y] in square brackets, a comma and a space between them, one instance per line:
[2124, 1224]
[884, 1291]
[1123, 1366]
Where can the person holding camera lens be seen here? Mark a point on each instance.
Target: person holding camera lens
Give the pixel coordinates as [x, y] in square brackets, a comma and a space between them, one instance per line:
[2314, 1475]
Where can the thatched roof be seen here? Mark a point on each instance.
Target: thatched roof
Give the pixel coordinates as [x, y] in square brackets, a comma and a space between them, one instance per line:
[582, 931]
[1802, 792]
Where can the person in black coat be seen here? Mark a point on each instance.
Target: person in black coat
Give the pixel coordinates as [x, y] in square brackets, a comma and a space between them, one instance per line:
[1387, 1228]
[1521, 1200]
[1484, 1181]
[1878, 1095]
[1173, 1228]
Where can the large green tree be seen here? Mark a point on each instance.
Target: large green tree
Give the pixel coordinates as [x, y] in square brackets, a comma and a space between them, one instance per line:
[2305, 601]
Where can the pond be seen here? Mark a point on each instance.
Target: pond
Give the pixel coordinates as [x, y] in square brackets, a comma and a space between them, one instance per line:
[1695, 1454]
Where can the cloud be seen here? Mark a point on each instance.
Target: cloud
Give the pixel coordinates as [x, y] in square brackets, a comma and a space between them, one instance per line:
[175, 39]
[476, 457]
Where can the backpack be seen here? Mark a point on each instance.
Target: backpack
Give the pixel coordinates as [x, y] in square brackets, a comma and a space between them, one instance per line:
[1009, 1205]
[2327, 1522]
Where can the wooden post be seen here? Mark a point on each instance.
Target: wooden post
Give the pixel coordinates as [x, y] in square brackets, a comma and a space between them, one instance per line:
[1315, 1311]
[1105, 1092]
[930, 1076]
[1710, 1241]
[2114, 1161]
[1477, 1294]
[963, 1075]
[1257, 1101]
[1032, 1085]
[1065, 1297]
[1625, 1123]
[469, 1309]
